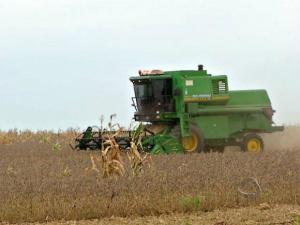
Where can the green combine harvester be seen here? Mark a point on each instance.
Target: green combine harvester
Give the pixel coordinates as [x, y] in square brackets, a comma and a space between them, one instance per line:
[192, 111]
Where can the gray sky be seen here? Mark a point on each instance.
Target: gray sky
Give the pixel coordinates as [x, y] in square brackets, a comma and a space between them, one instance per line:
[63, 63]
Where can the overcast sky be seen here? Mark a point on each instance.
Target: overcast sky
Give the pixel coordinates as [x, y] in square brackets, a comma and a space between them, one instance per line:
[64, 63]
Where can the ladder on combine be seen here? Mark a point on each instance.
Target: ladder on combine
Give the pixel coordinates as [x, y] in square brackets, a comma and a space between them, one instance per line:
[185, 125]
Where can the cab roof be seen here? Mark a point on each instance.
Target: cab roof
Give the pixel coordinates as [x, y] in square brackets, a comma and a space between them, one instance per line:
[170, 74]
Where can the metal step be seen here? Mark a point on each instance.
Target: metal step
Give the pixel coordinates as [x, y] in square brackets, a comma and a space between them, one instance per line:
[185, 125]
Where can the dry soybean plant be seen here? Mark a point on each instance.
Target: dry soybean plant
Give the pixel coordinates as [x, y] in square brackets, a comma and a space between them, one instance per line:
[38, 183]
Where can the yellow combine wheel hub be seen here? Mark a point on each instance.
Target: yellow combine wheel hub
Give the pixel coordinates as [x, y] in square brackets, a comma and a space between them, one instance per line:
[190, 143]
[253, 145]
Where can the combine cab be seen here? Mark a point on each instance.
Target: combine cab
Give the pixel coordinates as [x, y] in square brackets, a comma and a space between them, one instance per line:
[192, 111]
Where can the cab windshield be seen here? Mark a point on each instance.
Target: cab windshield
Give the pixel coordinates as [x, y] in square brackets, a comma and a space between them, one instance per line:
[153, 96]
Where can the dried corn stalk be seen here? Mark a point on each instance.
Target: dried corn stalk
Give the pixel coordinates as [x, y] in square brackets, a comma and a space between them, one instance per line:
[110, 159]
[135, 158]
[110, 163]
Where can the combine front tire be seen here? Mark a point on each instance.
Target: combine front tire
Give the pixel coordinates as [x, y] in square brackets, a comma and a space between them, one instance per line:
[252, 143]
[195, 143]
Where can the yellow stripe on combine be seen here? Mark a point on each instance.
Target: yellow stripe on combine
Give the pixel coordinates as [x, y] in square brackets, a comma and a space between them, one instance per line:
[195, 99]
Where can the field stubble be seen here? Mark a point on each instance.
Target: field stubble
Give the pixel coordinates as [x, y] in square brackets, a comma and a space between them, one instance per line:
[42, 179]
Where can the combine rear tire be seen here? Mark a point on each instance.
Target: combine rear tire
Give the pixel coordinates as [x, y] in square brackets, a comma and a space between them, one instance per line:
[192, 144]
[252, 143]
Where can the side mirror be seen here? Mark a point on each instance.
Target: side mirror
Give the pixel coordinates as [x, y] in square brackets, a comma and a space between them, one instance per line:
[176, 92]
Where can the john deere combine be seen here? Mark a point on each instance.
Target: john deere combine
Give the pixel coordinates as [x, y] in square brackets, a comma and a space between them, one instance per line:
[193, 111]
